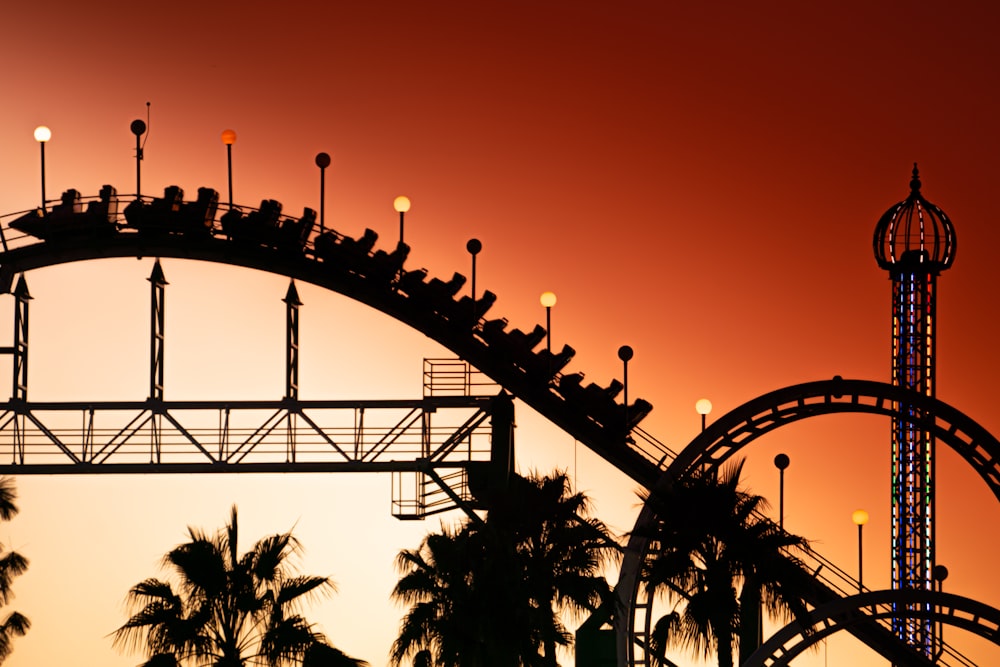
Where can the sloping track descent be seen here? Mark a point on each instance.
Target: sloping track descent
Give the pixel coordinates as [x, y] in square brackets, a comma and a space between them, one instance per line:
[79, 228]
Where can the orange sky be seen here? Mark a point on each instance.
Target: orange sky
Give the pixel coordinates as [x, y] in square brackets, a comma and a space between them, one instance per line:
[701, 183]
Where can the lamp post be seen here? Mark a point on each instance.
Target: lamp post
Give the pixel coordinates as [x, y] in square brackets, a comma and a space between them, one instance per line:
[474, 246]
[703, 406]
[322, 161]
[42, 135]
[939, 574]
[229, 138]
[548, 299]
[781, 462]
[860, 518]
[402, 205]
[138, 127]
[625, 353]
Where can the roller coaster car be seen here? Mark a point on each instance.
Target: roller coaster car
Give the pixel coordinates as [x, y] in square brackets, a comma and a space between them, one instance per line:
[68, 219]
[440, 290]
[386, 265]
[160, 215]
[637, 412]
[344, 253]
[598, 402]
[464, 313]
[492, 331]
[545, 364]
[434, 296]
[257, 228]
[598, 393]
[69, 204]
[261, 226]
[569, 386]
[621, 420]
[198, 217]
[412, 283]
[105, 208]
[515, 343]
[523, 343]
[295, 233]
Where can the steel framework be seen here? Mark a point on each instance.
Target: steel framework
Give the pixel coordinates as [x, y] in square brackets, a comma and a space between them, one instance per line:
[823, 581]
[914, 241]
[434, 469]
[438, 448]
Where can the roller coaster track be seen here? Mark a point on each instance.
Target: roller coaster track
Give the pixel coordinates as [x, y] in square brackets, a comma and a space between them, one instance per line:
[265, 240]
[352, 267]
[822, 582]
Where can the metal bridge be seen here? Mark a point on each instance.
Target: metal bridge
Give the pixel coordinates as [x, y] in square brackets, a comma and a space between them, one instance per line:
[438, 447]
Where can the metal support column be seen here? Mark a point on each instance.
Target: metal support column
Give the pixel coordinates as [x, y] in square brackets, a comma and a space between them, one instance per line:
[19, 390]
[156, 331]
[157, 339]
[292, 303]
[19, 354]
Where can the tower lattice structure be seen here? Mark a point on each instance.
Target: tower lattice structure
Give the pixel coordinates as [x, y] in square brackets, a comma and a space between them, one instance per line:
[914, 241]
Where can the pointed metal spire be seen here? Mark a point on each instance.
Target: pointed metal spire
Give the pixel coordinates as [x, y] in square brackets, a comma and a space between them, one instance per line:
[292, 295]
[157, 277]
[21, 289]
[915, 181]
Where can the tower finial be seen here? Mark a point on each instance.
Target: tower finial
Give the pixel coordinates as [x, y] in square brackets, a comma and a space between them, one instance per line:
[915, 182]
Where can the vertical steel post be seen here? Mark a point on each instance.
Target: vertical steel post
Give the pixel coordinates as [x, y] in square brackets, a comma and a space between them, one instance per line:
[292, 303]
[157, 340]
[157, 334]
[19, 391]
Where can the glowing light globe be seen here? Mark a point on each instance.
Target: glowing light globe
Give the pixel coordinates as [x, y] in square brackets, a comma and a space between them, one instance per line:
[548, 299]
[860, 517]
[703, 406]
[401, 204]
[42, 134]
[228, 137]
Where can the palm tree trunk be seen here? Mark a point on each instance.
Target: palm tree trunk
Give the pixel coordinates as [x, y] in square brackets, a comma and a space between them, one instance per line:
[550, 653]
[751, 621]
[725, 650]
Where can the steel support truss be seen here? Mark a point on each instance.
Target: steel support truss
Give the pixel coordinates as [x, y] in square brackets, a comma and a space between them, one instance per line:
[435, 447]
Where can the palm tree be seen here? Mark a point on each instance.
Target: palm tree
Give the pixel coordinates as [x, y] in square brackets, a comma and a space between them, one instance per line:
[491, 593]
[229, 610]
[454, 616]
[12, 564]
[562, 548]
[719, 561]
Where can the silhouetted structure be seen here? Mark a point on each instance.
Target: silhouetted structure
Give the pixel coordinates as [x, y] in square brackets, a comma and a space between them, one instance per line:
[914, 241]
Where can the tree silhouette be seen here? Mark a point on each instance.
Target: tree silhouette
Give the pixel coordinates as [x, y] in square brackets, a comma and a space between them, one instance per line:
[12, 564]
[229, 610]
[491, 593]
[718, 560]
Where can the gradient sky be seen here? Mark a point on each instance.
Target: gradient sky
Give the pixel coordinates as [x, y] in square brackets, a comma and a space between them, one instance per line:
[699, 181]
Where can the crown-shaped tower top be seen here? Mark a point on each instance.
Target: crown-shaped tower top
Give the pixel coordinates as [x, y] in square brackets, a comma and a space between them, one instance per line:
[914, 234]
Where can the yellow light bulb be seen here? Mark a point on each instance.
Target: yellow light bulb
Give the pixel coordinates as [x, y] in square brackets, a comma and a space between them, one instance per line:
[401, 204]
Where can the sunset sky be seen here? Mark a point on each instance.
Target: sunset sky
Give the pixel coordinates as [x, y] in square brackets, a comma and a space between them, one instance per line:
[700, 181]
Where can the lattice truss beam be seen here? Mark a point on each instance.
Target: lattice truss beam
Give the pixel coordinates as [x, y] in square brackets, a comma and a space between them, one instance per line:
[432, 441]
[913, 343]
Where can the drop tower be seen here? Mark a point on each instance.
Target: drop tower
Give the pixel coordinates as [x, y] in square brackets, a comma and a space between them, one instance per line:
[914, 241]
